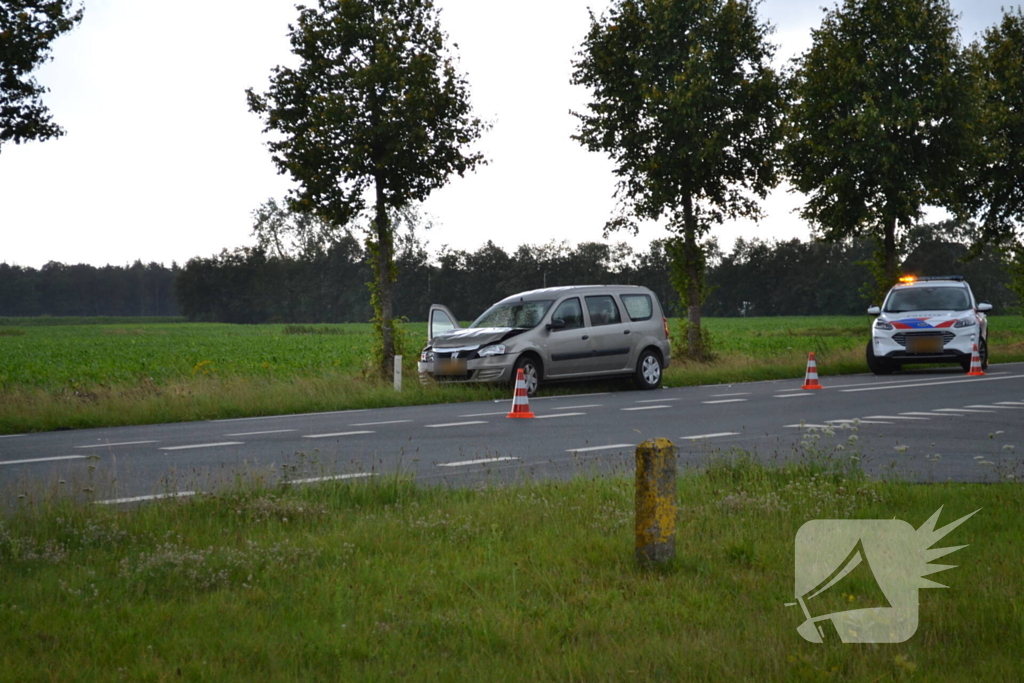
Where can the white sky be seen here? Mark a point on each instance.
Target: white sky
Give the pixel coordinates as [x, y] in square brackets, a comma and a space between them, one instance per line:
[162, 160]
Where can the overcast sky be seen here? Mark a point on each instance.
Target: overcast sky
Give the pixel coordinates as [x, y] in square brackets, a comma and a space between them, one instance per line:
[162, 160]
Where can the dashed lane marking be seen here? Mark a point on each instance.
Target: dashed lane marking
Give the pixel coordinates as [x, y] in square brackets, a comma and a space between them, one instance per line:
[458, 424]
[657, 400]
[962, 410]
[647, 408]
[743, 393]
[933, 384]
[592, 405]
[936, 414]
[277, 417]
[804, 393]
[9, 436]
[371, 424]
[590, 449]
[55, 457]
[544, 417]
[334, 477]
[202, 445]
[726, 400]
[500, 412]
[121, 443]
[1000, 407]
[481, 461]
[328, 436]
[268, 431]
[138, 499]
[697, 437]
[809, 425]
[1010, 403]
[894, 417]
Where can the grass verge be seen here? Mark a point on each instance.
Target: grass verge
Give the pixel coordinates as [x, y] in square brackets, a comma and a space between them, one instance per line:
[385, 580]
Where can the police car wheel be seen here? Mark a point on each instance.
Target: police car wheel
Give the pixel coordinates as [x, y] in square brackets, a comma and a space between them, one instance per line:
[877, 365]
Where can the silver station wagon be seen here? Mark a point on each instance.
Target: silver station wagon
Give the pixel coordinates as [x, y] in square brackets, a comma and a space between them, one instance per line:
[553, 334]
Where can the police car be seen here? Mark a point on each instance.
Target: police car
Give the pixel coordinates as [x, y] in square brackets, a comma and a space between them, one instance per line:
[927, 320]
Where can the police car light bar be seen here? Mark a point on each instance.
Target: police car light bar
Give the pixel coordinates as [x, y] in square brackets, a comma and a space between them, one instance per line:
[928, 278]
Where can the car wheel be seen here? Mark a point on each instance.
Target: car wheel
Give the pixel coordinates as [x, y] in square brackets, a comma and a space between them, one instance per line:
[648, 370]
[876, 364]
[531, 372]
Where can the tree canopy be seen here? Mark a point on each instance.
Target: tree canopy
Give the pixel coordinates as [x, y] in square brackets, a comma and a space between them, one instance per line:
[376, 105]
[687, 105]
[881, 121]
[27, 28]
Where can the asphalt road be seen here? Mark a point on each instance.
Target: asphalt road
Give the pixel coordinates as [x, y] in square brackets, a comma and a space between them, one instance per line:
[925, 425]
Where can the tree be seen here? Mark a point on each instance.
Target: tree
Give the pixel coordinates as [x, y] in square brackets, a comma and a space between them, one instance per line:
[687, 105]
[881, 121]
[376, 104]
[999, 180]
[27, 27]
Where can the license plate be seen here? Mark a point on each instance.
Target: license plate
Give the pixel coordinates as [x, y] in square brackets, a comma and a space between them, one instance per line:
[451, 366]
[924, 344]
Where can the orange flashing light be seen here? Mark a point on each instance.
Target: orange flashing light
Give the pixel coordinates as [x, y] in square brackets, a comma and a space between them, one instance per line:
[908, 278]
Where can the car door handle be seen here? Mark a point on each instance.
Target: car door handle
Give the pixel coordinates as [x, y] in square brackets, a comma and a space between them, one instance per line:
[625, 332]
[586, 336]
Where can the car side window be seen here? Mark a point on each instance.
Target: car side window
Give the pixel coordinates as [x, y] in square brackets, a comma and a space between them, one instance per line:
[571, 312]
[602, 310]
[638, 306]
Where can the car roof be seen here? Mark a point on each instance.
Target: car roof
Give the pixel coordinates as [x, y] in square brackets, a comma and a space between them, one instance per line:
[555, 292]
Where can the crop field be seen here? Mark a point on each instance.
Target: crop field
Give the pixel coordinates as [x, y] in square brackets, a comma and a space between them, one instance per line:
[57, 373]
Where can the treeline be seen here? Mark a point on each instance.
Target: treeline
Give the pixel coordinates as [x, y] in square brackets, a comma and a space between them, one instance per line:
[248, 285]
[83, 290]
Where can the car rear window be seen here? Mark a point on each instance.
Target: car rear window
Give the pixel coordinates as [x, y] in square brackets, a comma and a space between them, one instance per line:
[638, 306]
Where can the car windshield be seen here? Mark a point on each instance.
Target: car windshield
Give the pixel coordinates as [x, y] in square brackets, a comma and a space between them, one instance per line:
[927, 299]
[521, 314]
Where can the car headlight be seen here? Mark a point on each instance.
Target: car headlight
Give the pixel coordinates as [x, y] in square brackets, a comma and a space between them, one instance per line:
[427, 356]
[966, 322]
[493, 350]
[882, 325]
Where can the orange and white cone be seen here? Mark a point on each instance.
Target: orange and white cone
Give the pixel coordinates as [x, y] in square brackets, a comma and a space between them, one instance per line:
[811, 378]
[520, 400]
[976, 370]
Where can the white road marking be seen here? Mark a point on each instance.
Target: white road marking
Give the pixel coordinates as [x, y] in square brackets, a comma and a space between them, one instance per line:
[122, 443]
[276, 417]
[894, 417]
[155, 496]
[961, 410]
[743, 393]
[647, 407]
[726, 400]
[544, 417]
[571, 398]
[501, 412]
[589, 449]
[988, 378]
[335, 477]
[998, 407]
[463, 463]
[371, 424]
[458, 424]
[873, 422]
[936, 414]
[201, 445]
[803, 393]
[327, 436]
[809, 425]
[708, 436]
[56, 457]
[9, 436]
[592, 405]
[657, 400]
[269, 431]
[1009, 403]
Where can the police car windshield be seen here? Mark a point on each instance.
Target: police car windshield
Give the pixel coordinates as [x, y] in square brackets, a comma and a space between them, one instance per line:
[520, 314]
[927, 299]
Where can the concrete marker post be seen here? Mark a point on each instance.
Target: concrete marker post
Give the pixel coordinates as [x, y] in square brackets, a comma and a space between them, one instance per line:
[655, 501]
[398, 373]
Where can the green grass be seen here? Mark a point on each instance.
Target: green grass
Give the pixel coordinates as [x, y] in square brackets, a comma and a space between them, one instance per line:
[72, 375]
[386, 580]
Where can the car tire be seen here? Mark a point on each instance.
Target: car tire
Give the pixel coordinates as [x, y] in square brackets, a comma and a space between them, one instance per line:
[531, 370]
[877, 365]
[648, 370]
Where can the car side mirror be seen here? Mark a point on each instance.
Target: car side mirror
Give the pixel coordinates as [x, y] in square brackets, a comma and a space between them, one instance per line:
[874, 310]
[556, 324]
[984, 307]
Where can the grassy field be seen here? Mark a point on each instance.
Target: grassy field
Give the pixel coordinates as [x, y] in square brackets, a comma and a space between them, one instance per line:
[63, 373]
[384, 580]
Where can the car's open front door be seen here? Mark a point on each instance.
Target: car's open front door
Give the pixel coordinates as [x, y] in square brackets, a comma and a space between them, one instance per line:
[440, 320]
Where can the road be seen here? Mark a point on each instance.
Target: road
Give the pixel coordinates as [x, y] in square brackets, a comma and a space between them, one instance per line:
[925, 425]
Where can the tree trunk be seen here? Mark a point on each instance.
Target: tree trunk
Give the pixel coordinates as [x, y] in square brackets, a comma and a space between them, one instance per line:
[694, 273]
[889, 252]
[384, 282]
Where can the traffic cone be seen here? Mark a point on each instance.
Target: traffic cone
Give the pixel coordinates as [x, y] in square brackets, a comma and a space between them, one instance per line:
[811, 378]
[976, 370]
[520, 400]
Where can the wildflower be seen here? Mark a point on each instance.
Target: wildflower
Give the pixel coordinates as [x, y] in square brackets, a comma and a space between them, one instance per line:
[901, 449]
[1008, 447]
